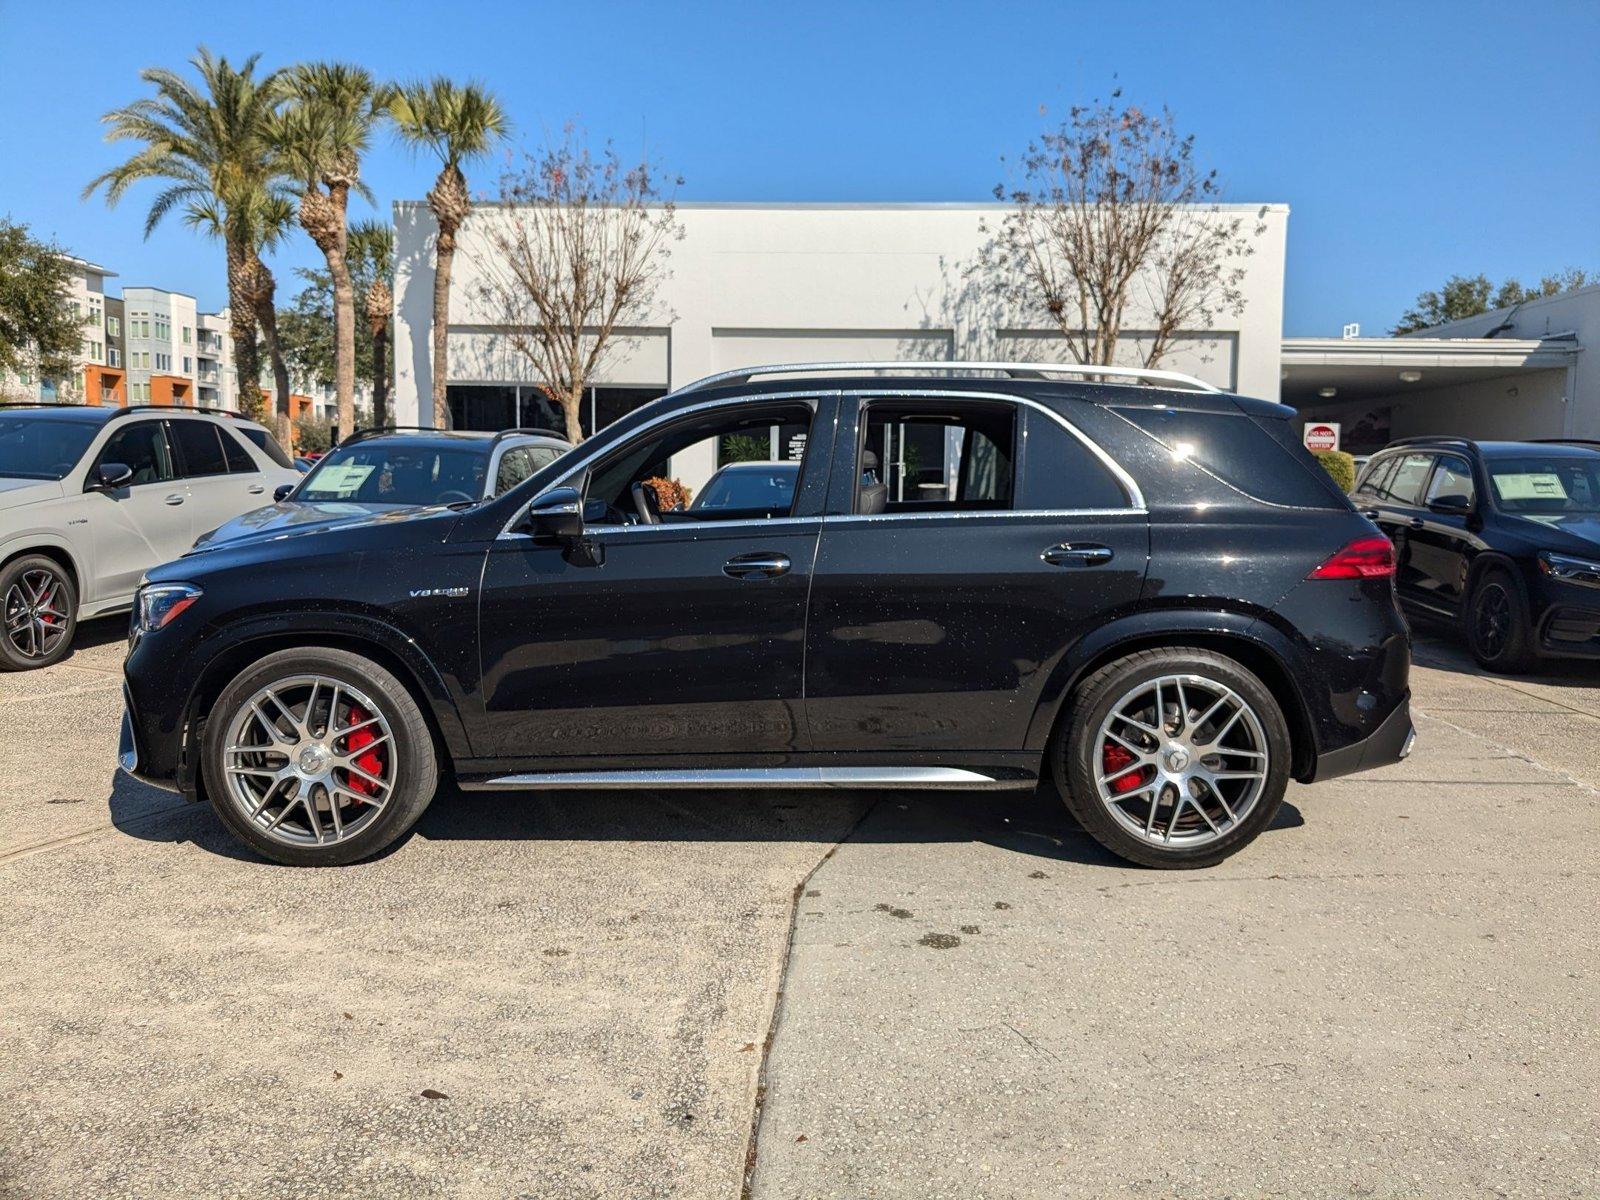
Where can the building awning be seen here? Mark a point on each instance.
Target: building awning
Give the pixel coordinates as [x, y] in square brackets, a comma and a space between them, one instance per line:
[1377, 368]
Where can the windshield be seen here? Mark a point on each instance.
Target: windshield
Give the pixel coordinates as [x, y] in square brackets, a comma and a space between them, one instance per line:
[1546, 484]
[396, 473]
[766, 487]
[38, 447]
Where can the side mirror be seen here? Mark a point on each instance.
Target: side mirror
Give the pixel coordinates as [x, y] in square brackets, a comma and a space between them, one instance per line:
[557, 513]
[110, 476]
[1455, 506]
[281, 492]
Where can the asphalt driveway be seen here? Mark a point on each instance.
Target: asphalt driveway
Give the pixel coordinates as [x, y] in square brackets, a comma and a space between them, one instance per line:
[1392, 993]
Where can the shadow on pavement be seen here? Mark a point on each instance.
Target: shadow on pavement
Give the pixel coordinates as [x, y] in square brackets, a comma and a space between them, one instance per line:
[101, 631]
[1436, 645]
[1034, 824]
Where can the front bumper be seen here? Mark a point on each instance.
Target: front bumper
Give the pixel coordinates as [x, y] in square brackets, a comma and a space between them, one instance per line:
[1388, 743]
[132, 762]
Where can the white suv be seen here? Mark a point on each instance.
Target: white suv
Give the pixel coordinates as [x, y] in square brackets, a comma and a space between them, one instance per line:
[91, 498]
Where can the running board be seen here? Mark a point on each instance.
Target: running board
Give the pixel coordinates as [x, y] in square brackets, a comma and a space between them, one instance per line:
[743, 777]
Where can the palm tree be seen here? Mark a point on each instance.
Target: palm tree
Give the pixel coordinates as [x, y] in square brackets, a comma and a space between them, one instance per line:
[320, 136]
[208, 143]
[457, 122]
[372, 250]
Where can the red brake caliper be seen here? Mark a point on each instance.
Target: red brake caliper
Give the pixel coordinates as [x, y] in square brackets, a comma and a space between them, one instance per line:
[372, 762]
[1114, 758]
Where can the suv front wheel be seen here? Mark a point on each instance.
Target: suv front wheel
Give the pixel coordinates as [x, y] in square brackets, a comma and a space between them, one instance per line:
[1176, 757]
[40, 608]
[318, 757]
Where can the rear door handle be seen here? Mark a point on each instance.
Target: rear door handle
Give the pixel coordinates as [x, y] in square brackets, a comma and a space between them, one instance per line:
[1067, 555]
[1370, 514]
[257, 488]
[175, 498]
[756, 566]
[1417, 523]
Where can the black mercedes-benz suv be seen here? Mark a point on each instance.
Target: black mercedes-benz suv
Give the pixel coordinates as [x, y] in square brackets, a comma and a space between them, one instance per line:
[1502, 538]
[985, 576]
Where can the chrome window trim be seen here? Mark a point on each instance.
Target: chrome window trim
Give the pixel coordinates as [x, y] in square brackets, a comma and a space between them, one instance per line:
[1012, 514]
[1129, 486]
[728, 402]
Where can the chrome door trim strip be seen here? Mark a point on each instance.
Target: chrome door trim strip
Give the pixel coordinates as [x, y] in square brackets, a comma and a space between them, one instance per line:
[1004, 514]
[739, 777]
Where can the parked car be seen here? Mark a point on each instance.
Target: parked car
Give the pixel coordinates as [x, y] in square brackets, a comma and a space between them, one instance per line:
[1152, 594]
[1501, 538]
[92, 497]
[380, 470]
[768, 486]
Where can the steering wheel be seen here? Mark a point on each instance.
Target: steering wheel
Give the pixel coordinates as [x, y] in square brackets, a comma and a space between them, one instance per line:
[644, 502]
[453, 497]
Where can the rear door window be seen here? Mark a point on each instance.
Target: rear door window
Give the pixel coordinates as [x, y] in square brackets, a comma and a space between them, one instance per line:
[1060, 473]
[1405, 486]
[239, 460]
[199, 448]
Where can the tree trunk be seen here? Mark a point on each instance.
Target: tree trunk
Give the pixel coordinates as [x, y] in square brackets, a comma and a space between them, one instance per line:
[380, 375]
[242, 332]
[450, 204]
[323, 216]
[572, 409]
[379, 301]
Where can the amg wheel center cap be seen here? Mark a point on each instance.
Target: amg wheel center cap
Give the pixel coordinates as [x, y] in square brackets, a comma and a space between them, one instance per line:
[313, 760]
[1177, 760]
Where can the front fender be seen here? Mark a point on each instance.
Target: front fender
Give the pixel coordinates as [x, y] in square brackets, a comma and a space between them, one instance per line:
[238, 643]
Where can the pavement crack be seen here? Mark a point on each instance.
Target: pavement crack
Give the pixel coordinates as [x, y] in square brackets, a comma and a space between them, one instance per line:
[758, 1108]
[85, 835]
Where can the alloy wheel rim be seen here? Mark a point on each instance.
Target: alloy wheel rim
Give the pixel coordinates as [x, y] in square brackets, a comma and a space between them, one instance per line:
[35, 619]
[1181, 761]
[309, 761]
[1493, 623]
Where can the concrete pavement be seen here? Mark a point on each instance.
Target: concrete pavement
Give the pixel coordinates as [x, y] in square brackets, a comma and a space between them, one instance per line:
[1390, 994]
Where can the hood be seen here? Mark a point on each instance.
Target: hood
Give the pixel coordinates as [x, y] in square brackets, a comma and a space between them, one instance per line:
[1581, 530]
[16, 492]
[292, 518]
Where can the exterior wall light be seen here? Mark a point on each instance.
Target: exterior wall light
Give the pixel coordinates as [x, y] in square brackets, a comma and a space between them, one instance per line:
[1410, 376]
[1327, 393]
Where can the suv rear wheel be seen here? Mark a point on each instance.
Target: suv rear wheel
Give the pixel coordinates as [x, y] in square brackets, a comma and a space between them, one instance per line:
[40, 608]
[318, 757]
[1175, 757]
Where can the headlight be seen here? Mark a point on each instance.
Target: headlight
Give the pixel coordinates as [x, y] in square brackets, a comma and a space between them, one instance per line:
[1568, 569]
[158, 604]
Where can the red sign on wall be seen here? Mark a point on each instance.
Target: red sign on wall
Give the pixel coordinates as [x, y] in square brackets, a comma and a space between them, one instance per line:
[1322, 435]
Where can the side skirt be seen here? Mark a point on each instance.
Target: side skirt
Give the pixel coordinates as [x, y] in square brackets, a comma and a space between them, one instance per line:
[957, 778]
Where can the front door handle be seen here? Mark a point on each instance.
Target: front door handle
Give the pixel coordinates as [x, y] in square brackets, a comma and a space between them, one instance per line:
[1067, 555]
[175, 498]
[756, 566]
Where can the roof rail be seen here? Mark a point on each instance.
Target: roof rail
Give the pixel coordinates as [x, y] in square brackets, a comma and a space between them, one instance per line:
[1015, 370]
[1423, 440]
[530, 429]
[1564, 441]
[194, 408]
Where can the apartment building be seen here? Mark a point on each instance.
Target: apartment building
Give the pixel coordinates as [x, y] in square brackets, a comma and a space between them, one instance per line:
[98, 377]
[214, 376]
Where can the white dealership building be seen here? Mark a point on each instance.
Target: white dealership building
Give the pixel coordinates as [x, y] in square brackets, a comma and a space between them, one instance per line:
[770, 283]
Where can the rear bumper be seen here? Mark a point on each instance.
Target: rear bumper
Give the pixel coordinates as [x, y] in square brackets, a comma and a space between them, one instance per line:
[1389, 743]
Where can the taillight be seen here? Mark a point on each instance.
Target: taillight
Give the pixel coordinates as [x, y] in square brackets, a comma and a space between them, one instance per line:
[1364, 558]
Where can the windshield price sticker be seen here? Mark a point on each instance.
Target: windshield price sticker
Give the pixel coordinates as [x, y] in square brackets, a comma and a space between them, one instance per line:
[1542, 485]
[343, 478]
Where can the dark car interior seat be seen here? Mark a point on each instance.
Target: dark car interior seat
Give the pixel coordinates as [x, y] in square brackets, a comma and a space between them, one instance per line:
[873, 496]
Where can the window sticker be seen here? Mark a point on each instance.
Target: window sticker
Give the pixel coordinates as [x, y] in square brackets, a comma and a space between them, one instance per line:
[1530, 485]
[344, 478]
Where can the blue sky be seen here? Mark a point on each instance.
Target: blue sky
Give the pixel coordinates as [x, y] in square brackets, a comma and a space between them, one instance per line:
[1410, 140]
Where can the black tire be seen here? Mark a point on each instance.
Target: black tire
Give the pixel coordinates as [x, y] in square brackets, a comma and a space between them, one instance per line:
[19, 581]
[1075, 754]
[416, 770]
[1497, 626]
